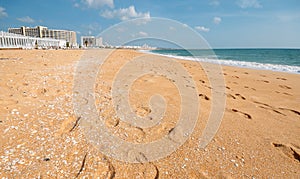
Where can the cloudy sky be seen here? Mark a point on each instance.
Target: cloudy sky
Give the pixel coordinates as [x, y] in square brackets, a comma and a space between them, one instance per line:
[223, 23]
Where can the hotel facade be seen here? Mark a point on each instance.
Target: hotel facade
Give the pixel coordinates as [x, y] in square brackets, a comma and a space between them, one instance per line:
[10, 40]
[44, 32]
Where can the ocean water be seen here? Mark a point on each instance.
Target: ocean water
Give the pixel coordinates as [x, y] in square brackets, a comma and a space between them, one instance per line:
[284, 60]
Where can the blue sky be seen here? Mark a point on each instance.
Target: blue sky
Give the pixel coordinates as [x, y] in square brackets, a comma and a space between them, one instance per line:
[223, 23]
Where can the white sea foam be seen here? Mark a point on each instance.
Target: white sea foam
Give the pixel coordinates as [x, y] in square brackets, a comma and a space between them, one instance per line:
[243, 64]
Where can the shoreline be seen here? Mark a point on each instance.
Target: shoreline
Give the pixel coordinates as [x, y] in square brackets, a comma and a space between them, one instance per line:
[215, 61]
[236, 63]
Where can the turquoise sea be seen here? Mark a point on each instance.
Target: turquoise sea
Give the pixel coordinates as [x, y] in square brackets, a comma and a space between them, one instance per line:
[285, 60]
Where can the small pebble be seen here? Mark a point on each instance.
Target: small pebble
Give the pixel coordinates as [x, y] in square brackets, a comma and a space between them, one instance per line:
[46, 159]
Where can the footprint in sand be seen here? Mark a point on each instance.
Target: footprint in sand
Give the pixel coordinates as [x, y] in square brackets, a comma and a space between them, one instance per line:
[203, 96]
[188, 86]
[202, 81]
[285, 87]
[268, 107]
[248, 116]
[209, 87]
[290, 151]
[287, 94]
[274, 110]
[291, 110]
[231, 96]
[281, 78]
[265, 81]
[239, 95]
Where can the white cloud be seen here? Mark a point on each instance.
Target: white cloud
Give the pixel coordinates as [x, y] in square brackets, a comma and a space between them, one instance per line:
[76, 5]
[217, 20]
[143, 34]
[125, 14]
[26, 19]
[2, 12]
[249, 4]
[99, 3]
[202, 28]
[214, 2]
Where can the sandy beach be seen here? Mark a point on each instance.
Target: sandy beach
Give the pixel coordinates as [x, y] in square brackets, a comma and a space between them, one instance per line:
[41, 135]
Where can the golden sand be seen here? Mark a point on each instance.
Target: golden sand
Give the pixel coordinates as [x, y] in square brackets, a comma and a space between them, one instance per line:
[259, 136]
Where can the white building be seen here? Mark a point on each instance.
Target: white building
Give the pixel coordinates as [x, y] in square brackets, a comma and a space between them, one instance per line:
[91, 41]
[44, 32]
[10, 40]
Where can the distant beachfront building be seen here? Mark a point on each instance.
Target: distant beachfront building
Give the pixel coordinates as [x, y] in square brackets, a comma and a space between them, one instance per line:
[44, 32]
[10, 40]
[91, 41]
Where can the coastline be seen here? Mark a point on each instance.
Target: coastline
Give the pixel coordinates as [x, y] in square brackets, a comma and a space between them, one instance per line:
[260, 126]
[230, 62]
